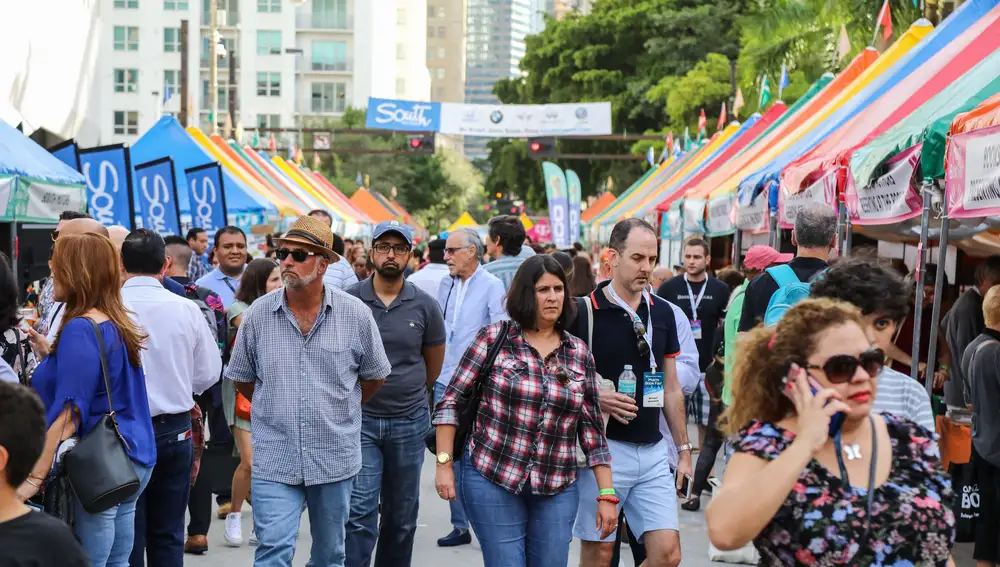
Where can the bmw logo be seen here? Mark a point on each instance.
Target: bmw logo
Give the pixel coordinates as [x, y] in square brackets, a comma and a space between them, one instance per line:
[581, 113]
[496, 117]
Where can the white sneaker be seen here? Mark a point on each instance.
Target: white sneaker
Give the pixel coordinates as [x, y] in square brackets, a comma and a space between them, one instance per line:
[234, 529]
[253, 539]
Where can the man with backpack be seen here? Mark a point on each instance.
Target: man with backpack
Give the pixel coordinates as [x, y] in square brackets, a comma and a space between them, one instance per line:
[813, 235]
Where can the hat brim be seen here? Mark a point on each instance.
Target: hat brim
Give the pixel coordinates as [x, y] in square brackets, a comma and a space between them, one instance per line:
[783, 259]
[328, 253]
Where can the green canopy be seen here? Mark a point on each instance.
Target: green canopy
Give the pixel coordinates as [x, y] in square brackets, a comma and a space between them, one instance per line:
[918, 127]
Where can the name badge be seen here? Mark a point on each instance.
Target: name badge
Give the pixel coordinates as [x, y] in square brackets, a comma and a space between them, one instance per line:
[696, 329]
[652, 390]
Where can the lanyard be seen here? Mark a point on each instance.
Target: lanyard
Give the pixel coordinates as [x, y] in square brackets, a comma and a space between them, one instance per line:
[225, 280]
[695, 303]
[635, 316]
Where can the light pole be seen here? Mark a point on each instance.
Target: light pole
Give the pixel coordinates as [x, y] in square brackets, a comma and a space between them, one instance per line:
[213, 66]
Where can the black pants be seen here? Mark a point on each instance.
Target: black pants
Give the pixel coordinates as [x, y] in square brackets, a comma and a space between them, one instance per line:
[988, 524]
[708, 453]
[638, 549]
[217, 466]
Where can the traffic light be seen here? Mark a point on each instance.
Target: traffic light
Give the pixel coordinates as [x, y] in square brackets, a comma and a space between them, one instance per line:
[422, 144]
[539, 148]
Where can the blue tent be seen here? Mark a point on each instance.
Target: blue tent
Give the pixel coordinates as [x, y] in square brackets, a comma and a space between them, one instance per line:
[168, 138]
[35, 186]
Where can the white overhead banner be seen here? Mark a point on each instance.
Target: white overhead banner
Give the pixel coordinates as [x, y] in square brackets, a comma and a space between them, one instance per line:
[526, 120]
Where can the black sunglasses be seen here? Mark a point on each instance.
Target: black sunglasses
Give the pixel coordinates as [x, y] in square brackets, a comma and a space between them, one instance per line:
[840, 368]
[640, 334]
[297, 255]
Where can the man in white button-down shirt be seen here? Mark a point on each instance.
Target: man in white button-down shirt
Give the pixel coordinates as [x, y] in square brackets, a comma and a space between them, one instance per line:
[181, 359]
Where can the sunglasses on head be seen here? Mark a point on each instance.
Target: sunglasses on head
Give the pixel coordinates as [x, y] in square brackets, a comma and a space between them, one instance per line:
[840, 368]
[297, 255]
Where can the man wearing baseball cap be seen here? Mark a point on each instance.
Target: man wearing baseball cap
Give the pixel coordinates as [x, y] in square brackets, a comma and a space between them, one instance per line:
[395, 420]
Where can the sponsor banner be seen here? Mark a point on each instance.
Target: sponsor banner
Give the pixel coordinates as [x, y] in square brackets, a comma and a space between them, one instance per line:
[889, 199]
[694, 216]
[526, 120]
[573, 183]
[675, 224]
[40, 201]
[404, 115]
[972, 175]
[541, 231]
[752, 216]
[67, 152]
[823, 191]
[555, 190]
[109, 185]
[720, 215]
[207, 196]
[158, 208]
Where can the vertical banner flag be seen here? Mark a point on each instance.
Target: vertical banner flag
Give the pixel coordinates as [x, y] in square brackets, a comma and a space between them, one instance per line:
[765, 94]
[702, 123]
[884, 21]
[722, 118]
[575, 191]
[783, 81]
[555, 189]
[738, 102]
[207, 196]
[651, 156]
[109, 185]
[67, 152]
[158, 209]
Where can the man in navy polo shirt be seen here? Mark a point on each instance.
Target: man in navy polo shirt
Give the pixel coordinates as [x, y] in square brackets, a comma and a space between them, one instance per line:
[634, 327]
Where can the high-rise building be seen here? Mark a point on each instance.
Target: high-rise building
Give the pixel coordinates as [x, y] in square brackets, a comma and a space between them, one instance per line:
[293, 64]
[563, 7]
[446, 36]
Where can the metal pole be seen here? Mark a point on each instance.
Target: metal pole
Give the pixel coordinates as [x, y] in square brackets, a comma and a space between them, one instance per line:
[772, 234]
[848, 237]
[738, 249]
[938, 289]
[232, 92]
[839, 244]
[213, 66]
[184, 75]
[918, 307]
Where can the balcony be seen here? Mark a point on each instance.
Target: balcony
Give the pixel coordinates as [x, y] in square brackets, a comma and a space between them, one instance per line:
[225, 18]
[323, 67]
[324, 22]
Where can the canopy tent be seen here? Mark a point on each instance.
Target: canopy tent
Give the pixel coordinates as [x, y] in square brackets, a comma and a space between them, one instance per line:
[346, 212]
[598, 206]
[248, 170]
[262, 172]
[378, 212]
[303, 186]
[35, 186]
[341, 198]
[464, 220]
[644, 178]
[985, 115]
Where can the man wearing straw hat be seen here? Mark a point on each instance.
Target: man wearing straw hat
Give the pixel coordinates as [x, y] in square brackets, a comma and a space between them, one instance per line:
[307, 356]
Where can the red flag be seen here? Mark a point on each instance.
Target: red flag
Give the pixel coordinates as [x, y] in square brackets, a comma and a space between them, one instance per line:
[722, 118]
[272, 144]
[885, 20]
[316, 162]
[670, 143]
[702, 121]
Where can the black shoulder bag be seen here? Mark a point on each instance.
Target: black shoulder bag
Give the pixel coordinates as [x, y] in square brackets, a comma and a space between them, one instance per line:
[468, 405]
[99, 469]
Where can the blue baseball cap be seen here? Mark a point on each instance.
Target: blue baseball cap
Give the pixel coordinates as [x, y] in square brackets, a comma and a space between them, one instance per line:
[393, 226]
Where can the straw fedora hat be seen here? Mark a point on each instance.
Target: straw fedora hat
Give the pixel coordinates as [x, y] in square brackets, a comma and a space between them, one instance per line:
[311, 233]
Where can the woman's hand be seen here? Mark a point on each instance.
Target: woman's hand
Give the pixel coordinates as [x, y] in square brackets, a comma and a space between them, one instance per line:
[27, 490]
[444, 482]
[607, 518]
[814, 411]
[39, 344]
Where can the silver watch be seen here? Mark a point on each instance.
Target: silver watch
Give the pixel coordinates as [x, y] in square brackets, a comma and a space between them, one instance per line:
[684, 447]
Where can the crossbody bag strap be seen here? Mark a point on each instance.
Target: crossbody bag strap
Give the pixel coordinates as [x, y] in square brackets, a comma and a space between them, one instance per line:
[872, 471]
[491, 355]
[590, 323]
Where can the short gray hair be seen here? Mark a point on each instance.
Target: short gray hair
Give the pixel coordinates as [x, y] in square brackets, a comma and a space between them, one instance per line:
[815, 226]
[472, 239]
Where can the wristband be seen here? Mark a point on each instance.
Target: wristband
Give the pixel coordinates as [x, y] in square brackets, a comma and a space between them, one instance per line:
[943, 367]
[612, 499]
[607, 492]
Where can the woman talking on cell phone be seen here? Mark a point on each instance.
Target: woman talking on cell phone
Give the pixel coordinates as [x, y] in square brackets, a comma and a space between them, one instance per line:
[817, 478]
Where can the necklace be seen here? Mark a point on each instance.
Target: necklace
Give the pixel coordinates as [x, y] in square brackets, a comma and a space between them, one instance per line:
[852, 451]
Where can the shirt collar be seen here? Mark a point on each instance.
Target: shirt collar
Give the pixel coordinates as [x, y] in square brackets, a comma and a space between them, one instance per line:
[991, 333]
[516, 334]
[217, 274]
[142, 281]
[283, 300]
[368, 295]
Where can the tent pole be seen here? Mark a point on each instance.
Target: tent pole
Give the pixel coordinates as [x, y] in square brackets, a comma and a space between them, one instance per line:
[918, 308]
[938, 290]
[841, 209]
[772, 234]
[848, 237]
[13, 233]
[738, 249]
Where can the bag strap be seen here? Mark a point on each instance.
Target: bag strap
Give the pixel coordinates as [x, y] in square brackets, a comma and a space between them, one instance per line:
[590, 323]
[783, 275]
[491, 355]
[22, 372]
[104, 364]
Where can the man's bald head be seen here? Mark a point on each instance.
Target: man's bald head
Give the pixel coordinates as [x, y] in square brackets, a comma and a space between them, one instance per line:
[83, 226]
[660, 274]
[117, 235]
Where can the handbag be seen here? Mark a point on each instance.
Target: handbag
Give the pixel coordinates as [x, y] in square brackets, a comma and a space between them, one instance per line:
[468, 405]
[99, 470]
[243, 406]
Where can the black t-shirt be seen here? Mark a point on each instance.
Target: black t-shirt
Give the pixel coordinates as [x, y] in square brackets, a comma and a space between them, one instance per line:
[39, 540]
[761, 288]
[711, 309]
[615, 345]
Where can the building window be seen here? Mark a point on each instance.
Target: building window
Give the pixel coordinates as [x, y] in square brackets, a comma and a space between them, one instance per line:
[171, 83]
[126, 38]
[430, 31]
[231, 18]
[400, 87]
[400, 51]
[126, 80]
[222, 94]
[126, 122]
[268, 84]
[268, 121]
[171, 40]
[127, 4]
[231, 48]
[441, 53]
[329, 97]
[175, 5]
[329, 14]
[440, 73]
[268, 42]
[269, 6]
[441, 31]
[329, 56]
[430, 12]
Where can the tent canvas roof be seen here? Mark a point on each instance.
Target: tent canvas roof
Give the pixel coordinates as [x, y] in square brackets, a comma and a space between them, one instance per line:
[341, 198]
[599, 205]
[20, 155]
[464, 220]
[252, 177]
[376, 210]
[262, 173]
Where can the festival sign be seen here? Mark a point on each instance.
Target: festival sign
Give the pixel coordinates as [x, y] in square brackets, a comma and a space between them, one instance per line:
[676, 224]
[207, 196]
[40, 201]
[720, 215]
[890, 198]
[555, 190]
[403, 115]
[664, 226]
[573, 183]
[67, 152]
[694, 216]
[823, 191]
[540, 231]
[973, 174]
[753, 215]
[158, 208]
[109, 185]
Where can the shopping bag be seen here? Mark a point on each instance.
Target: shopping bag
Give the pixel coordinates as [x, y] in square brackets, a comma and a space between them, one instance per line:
[966, 506]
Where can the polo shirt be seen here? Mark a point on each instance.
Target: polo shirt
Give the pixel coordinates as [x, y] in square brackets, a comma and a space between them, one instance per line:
[410, 323]
[615, 344]
[758, 293]
[223, 286]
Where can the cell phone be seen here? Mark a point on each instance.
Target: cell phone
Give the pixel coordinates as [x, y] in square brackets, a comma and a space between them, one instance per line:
[687, 483]
[836, 421]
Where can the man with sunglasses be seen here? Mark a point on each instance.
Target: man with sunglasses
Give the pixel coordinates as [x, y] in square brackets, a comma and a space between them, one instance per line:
[340, 273]
[47, 305]
[395, 421]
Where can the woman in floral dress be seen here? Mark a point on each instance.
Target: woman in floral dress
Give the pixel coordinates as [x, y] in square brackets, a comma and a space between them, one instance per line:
[869, 492]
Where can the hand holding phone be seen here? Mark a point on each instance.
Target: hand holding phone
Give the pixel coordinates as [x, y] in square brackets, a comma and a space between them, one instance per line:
[684, 490]
[820, 411]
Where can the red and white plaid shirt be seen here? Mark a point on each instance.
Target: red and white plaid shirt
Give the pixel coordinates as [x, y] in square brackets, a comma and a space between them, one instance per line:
[532, 411]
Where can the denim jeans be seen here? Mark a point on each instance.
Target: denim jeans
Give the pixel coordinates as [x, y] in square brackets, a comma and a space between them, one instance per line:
[159, 513]
[458, 518]
[392, 449]
[277, 511]
[107, 537]
[519, 530]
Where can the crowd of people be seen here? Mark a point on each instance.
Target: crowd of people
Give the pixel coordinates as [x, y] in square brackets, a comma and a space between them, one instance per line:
[553, 389]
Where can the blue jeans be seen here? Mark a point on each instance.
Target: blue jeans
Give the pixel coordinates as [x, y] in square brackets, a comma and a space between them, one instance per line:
[277, 510]
[458, 519]
[519, 530]
[159, 513]
[391, 449]
[107, 537]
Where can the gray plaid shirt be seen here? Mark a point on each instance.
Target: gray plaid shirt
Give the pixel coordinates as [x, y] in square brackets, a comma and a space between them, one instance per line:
[306, 425]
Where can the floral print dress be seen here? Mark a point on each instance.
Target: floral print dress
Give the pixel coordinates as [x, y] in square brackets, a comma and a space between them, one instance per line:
[822, 522]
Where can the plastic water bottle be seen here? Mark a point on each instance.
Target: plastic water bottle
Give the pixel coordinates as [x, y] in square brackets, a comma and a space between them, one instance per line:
[626, 382]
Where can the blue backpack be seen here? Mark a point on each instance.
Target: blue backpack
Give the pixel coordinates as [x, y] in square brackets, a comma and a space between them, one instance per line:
[790, 291]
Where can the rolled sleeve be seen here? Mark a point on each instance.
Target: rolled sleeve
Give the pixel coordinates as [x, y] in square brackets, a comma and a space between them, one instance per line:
[688, 371]
[446, 411]
[373, 363]
[593, 439]
[243, 361]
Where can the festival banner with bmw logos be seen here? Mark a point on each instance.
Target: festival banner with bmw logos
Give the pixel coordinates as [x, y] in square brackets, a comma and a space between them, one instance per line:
[109, 185]
[158, 209]
[555, 190]
[207, 196]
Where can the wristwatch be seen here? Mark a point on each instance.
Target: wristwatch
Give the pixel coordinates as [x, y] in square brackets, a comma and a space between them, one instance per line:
[443, 458]
[684, 447]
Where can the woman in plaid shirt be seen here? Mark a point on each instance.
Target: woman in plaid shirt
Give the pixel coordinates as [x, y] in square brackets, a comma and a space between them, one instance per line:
[517, 478]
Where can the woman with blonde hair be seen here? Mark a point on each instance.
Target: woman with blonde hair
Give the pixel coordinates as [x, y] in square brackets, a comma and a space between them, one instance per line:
[817, 478]
[71, 383]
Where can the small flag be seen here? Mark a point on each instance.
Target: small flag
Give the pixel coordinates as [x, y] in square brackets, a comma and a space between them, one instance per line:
[651, 156]
[298, 156]
[843, 44]
[702, 122]
[665, 153]
[677, 148]
[227, 126]
[316, 161]
[359, 180]
[884, 20]
[783, 81]
[239, 132]
[687, 140]
[669, 143]
[167, 93]
[765, 93]
[291, 152]
[256, 140]
[722, 118]
[272, 144]
[738, 102]
[368, 180]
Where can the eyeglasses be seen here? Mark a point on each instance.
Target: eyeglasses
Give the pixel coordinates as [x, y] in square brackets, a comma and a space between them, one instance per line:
[840, 368]
[453, 251]
[297, 255]
[399, 249]
[640, 333]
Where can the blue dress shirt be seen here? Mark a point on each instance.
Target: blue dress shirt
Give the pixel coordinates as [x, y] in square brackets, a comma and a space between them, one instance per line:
[482, 304]
[224, 286]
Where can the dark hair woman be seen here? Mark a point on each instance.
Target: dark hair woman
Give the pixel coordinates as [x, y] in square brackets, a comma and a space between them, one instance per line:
[583, 281]
[539, 399]
[15, 344]
[818, 478]
[261, 277]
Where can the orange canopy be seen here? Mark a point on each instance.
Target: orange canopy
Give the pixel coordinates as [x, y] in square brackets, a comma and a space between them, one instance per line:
[371, 206]
[602, 202]
[985, 115]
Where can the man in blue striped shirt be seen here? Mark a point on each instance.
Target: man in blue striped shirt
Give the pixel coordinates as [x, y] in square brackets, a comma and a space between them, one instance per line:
[503, 245]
